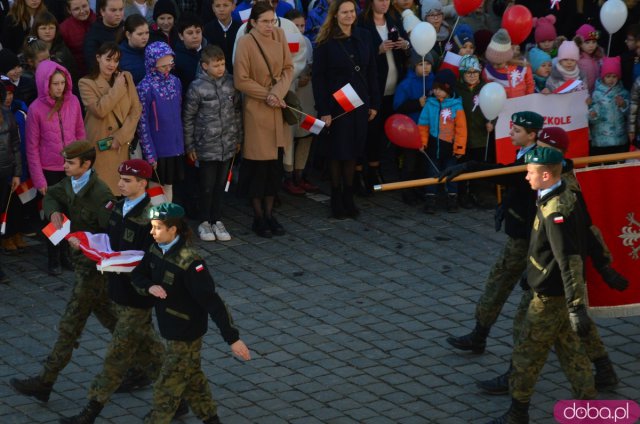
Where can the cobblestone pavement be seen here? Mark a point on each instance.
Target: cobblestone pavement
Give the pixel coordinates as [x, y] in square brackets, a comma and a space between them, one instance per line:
[346, 321]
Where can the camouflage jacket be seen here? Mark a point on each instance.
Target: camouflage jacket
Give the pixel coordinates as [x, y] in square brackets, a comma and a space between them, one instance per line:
[191, 293]
[558, 245]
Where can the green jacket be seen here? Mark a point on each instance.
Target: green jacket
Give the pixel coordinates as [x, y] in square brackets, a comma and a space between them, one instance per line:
[476, 122]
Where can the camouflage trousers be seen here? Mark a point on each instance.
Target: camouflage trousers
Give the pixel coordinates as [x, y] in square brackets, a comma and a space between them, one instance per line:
[592, 342]
[134, 344]
[181, 377]
[504, 275]
[89, 295]
[547, 325]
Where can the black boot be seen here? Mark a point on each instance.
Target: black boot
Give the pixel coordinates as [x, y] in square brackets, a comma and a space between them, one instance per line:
[212, 420]
[374, 177]
[349, 204]
[53, 263]
[337, 205]
[476, 341]
[276, 228]
[133, 380]
[33, 386]
[518, 413]
[360, 185]
[261, 228]
[605, 378]
[87, 416]
[496, 386]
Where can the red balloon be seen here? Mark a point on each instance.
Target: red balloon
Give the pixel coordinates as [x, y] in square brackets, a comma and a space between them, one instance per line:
[517, 20]
[402, 131]
[464, 7]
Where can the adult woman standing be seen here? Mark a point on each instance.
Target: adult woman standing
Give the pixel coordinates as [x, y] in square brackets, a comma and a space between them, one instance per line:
[113, 110]
[344, 55]
[18, 22]
[74, 29]
[135, 39]
[390, 43]
[264, 127]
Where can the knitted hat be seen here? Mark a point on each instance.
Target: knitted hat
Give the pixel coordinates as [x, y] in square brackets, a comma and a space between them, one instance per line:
[8, 61]
[527, 119]
[499, 49]
[483, 38]
[77, 148]
[416, 58]
[554, 137]
[446, 80]
[163, 7]
[429, 6]
[568, 50]
[543, 156]
[165, 211]
[136, 167]
[468, 62]
[587, 33]
[611, 65]
[545, 31]
[537, 57]
[463, 34]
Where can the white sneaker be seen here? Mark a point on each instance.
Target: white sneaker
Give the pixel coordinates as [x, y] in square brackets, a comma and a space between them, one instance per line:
[221, 233]
[205, 232]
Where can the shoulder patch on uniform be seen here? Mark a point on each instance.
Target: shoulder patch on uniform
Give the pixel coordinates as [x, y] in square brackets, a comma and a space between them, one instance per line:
[199, 268]
[558, 219]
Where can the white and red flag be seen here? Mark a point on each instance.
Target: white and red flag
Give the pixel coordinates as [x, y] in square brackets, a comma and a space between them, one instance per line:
[451, 61]
[348, 98]
[311, 124]
[244, 15]
[615, 210]
[97, 247]
[568, 87]
[156, 195]
[56, 235]
[3, 225]
[293, 40]
[26, 191]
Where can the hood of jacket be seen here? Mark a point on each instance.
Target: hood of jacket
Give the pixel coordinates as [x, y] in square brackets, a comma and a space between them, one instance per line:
[153, 52]
[43, 75]
[603, 90]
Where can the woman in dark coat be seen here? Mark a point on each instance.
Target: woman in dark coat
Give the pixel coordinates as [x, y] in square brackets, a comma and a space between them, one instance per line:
[391, 46]
[344, 55]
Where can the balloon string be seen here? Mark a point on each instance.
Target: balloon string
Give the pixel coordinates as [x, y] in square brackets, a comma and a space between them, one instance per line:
[609, 47]
[486, 148]
[424, 79]
[453, 29]
[430, 161]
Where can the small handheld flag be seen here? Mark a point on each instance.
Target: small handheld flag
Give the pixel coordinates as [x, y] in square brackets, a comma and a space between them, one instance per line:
[244, 15]
[230, 174]
[311, 124]
[3, 227]
[347, 98]
[56, 235]
[294, 39]
[26, 191]
[156, 195]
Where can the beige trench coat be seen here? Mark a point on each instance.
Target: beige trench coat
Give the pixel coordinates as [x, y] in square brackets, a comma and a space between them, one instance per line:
[264, 127]
[103, 104]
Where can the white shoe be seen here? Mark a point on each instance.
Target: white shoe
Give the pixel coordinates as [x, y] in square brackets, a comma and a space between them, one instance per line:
[205, 232]
[221, 233]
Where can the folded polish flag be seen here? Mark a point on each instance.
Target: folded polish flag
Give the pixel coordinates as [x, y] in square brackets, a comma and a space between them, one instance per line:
[156, 195]
[26, 191]
[294, 39]
[56, 235]
[244, 15]
[3, 227]
[97, 247]
[348, 98]
[451, 61]
[311, 124]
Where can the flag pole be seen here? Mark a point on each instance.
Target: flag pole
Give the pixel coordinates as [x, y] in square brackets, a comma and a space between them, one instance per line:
[453, 30]
[230, 174]
[486, 147]
[342, 114]
[6, 211]
[296, 110]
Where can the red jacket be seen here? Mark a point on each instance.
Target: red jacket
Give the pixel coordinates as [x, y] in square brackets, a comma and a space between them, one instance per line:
[73, 32]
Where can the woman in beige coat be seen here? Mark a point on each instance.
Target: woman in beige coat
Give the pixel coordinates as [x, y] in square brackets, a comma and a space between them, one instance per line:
[265, 131]
[113, 110]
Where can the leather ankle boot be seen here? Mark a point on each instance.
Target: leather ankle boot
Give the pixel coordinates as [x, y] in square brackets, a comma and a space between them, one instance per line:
[476, 341]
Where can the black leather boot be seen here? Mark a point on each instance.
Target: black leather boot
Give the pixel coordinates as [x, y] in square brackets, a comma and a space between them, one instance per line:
[496, 386]
[518, 413]
[337, 204]
[87, 416]
[349, 204]
[605, 377]
[212, 420]
[360, 185]
[32, 386]
[476, 341]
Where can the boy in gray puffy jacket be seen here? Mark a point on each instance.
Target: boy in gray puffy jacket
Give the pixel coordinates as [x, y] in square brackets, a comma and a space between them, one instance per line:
[212, 120]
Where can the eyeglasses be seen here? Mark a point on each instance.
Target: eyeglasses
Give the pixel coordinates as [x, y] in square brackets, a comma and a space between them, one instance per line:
[169, 65]
[267, 22]
[435, 15]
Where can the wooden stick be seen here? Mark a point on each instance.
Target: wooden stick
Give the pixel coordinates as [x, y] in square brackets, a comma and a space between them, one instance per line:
[155, 171]
[230, 174]
[501, 171]
[296, 110]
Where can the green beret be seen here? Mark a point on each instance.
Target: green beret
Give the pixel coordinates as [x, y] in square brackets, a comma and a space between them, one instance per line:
[165, 211]
[527, 119]
[543, 156]
[77, 148]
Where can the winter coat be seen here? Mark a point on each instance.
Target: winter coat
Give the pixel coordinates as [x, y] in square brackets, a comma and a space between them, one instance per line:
[556, 80]
[103, 104]
[98, 34]
[26, 90]
[516, 80]
[444, 122]
[73, 33]
[590, 68]
[408, 93]
[47, 132]
[131, 9]
[332, 70]
[212, 118]
[19, 110]
[187, 63]
[132, 60]
[476, 122]
[160, 128]
[214, 34]
[264, 127]
[13, 34]
[609, 126]
[10, 158]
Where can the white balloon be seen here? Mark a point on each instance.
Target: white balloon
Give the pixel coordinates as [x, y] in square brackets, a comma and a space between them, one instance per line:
[423, 38]
[613, 15]
[409, 20]
[491, 100]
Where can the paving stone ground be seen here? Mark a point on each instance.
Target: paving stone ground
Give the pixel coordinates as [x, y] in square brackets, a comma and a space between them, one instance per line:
[346, 321]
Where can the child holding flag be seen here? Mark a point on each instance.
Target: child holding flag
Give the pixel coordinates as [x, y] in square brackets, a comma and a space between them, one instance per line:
[212, 120]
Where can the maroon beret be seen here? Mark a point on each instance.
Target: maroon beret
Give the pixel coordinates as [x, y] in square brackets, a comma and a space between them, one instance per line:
[135, 167]
[554, 137]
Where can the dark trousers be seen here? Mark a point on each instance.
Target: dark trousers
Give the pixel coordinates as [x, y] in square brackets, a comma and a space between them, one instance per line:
[213, 176]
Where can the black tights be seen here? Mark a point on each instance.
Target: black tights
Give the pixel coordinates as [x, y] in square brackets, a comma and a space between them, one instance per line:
[262, 206]
[342, 172]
